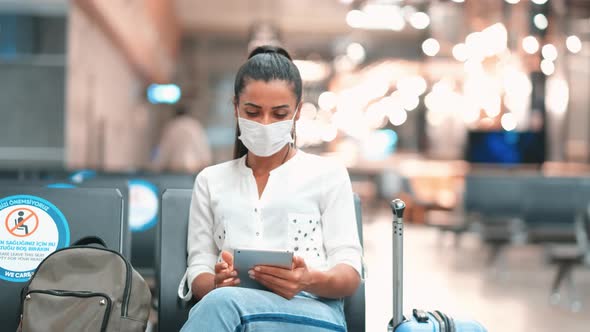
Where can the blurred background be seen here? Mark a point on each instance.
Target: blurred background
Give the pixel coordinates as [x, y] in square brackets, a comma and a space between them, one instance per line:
[475, 112]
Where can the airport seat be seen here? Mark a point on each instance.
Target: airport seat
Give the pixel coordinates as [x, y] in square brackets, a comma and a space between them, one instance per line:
[109, 183]
[34, 174]
[567, 257]
[88, 212]
[461, 219]
[496, 199]
[142, 240]
[491, 205]
[550, 208]
[495, 203]
[171, 265]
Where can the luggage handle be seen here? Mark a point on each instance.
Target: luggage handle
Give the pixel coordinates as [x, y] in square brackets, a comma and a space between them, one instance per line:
[420, 315]
[89, 240]
[398, 206]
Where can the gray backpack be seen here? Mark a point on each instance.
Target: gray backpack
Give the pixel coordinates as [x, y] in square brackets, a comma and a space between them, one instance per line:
[85, 288]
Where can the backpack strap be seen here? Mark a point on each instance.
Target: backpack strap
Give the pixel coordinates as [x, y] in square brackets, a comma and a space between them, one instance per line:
[90, 240]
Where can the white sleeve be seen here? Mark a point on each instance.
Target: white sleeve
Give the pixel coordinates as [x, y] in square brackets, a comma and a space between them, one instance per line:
[201, 248]
[339, 225]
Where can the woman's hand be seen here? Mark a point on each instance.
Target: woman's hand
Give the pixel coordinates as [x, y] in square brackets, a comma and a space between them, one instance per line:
[286, 283]
[225, 275]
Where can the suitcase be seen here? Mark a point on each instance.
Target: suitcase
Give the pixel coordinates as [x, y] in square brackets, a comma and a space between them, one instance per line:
[420, 321]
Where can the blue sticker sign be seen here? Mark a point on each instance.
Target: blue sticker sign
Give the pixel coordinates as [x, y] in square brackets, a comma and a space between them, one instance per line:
[61, 185]
[31, 228]
[143, 205]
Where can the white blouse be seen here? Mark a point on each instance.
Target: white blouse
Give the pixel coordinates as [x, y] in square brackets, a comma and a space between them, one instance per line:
[307, 207]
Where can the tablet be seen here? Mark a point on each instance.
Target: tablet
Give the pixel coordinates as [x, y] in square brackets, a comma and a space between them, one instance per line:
[247, 259]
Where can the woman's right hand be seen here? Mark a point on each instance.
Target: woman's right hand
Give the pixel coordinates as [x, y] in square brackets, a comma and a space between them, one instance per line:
[225, 275]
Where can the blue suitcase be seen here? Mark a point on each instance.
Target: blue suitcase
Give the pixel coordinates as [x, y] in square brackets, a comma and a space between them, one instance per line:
[420, 321]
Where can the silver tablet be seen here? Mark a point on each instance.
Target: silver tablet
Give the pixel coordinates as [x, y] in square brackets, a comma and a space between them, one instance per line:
[247, 259]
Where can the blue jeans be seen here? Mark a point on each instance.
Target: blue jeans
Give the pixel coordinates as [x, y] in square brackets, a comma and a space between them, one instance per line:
[236, 309]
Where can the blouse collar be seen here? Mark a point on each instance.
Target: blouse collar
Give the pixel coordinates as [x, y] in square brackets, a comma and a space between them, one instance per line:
[248, 171]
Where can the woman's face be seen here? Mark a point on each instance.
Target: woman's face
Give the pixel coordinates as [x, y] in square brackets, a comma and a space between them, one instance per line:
[267, 102]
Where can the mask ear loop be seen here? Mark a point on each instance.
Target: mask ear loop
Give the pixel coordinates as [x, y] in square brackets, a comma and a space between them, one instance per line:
[294, 135]
[294, 131]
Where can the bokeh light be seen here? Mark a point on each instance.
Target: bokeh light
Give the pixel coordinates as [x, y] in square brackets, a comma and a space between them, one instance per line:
[430, 47]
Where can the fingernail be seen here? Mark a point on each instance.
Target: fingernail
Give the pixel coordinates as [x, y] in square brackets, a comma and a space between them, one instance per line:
[234, 273]
[251, 274]
[237, 281]
[257, 268]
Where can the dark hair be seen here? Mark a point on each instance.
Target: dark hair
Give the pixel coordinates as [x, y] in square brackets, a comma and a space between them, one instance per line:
[265, 63]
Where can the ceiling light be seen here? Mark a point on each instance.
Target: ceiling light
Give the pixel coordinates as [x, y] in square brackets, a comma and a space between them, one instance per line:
[573, 44]
[541, 21]
[430, 47]
[530, 44]
[420, 20]
[549, 52]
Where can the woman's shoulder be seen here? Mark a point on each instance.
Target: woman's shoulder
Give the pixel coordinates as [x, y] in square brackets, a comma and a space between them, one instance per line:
[322, 164]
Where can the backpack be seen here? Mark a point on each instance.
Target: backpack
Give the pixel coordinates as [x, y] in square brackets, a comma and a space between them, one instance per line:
[85, 288]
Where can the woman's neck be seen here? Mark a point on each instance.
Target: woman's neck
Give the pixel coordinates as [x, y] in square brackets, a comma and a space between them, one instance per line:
[263, 165]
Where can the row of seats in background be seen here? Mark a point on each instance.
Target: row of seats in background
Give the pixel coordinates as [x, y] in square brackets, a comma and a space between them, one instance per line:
[515, 209]
[122, 209]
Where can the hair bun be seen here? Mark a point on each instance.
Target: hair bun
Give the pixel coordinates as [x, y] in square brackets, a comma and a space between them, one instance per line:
[268, 49]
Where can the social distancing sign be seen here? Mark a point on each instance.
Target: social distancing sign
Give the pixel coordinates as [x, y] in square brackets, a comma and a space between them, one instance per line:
[31, 228]
[22, 222]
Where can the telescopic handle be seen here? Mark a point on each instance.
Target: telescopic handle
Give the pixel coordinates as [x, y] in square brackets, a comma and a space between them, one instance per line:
[397, 207]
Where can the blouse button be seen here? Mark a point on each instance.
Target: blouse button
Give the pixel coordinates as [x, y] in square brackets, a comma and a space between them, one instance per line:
[296, 248]
[257, 233]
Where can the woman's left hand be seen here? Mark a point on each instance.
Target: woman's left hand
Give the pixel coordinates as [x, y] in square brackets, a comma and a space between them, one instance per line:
[286, 283]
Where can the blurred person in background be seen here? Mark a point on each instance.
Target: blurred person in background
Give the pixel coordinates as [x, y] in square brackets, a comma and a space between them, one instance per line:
[271, 196]
[183, 147]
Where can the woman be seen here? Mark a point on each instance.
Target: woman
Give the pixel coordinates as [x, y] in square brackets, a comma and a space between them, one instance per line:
[271, 196]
